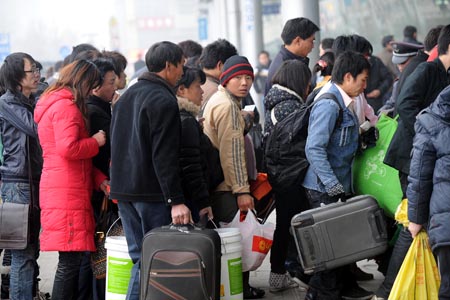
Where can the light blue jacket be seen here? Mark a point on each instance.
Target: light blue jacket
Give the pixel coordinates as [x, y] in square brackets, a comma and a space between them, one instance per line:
[329, 149]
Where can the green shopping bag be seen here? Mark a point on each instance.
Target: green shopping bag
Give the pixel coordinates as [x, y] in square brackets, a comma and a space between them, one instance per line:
[371, 176]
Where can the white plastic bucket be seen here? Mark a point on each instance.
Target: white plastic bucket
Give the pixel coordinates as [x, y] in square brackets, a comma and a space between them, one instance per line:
[118, 268]
[231, 287]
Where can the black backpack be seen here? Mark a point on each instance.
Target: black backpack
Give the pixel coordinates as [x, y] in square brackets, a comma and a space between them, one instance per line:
[284, 147]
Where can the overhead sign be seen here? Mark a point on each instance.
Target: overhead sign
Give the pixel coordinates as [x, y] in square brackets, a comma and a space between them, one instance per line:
[5, 46]
[202, 29]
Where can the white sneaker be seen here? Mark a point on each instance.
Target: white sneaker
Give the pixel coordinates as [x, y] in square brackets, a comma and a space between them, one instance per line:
[281, 282]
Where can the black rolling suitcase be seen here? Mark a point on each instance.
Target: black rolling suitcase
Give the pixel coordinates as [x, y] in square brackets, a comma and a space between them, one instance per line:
[180, 262]
[339, 234]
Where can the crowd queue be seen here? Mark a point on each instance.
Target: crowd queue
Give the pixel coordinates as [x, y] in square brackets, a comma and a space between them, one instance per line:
[176, 146]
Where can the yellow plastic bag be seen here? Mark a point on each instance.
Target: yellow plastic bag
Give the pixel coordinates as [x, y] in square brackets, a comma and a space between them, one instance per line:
[418, 277]
[401, 215]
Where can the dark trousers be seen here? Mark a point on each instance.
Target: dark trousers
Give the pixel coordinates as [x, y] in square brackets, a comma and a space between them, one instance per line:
[401, 247]
[328, 285]
[224, 207]
[85, 280]
[65, 286]
[287, 203]
[138, 218]
[443, 258]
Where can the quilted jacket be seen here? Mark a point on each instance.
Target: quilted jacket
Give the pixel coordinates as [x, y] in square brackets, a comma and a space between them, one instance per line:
[68, 177]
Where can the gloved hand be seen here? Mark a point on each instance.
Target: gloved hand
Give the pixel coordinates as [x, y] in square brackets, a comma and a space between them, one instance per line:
[335, 190]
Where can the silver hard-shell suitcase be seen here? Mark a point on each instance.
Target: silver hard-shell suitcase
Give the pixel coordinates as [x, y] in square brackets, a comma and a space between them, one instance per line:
[340, 233]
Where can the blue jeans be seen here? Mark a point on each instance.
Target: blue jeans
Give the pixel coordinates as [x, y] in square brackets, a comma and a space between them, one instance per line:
[24, 268]
[138, 218]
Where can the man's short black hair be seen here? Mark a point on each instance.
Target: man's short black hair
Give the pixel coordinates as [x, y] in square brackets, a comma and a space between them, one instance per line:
[432, 37]
[190, 48]
[218, 51]
[104, 65]
[327, 43]
[349, 62]
[444, 40]
[302, 27]
[409, 31]
[353, 42]
[161, 53]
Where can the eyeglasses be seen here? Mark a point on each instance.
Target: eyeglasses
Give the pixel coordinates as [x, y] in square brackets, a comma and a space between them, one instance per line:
[34, 70]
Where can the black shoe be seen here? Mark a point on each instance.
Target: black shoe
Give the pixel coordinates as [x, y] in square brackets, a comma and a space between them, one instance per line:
[360, 275]
[356, 293]
[253, 293]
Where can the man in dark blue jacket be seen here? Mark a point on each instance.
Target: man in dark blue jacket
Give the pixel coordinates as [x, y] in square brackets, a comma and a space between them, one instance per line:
[298, 37]
[145, 142]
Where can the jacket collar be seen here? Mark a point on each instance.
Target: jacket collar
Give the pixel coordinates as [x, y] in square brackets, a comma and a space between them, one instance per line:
[152, 77]
[185, 104]
[286, 54]
[99, 102]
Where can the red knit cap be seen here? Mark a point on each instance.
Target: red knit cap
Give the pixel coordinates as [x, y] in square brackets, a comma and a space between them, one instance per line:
[234, 66]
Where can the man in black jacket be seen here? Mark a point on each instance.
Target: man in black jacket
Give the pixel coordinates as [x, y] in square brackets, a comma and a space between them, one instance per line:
[420, 89]
[145, 142]
[298, 37]
[418, 92]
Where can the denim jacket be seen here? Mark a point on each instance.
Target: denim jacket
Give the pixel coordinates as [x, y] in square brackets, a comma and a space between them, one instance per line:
[329, 149]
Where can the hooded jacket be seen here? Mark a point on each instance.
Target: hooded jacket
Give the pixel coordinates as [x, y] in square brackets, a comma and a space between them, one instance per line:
[279, 103]
[429, 177]
[68, 177]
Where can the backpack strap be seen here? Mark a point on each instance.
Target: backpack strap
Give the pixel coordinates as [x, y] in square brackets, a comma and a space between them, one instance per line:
[332, 96]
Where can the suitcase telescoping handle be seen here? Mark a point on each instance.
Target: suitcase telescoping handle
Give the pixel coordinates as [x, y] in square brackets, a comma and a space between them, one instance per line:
[182, 227]
[377, 223]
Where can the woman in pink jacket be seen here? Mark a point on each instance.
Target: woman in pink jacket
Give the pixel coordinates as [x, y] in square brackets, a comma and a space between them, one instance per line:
[68, 177]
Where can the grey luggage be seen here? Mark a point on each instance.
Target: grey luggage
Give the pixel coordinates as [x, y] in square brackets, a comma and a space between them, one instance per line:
[180, 262]
[339, 233]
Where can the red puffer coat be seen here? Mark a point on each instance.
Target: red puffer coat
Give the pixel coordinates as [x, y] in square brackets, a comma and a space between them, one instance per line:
[68, 177]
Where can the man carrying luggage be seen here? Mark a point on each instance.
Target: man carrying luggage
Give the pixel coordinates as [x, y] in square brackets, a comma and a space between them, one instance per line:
[330, 147]
[145, 134]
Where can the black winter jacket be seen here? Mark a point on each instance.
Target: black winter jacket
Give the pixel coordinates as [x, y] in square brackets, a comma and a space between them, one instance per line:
[418, 92]
[429, 179]
[99, 114]
[194, 146]
[145, 143]
[380, 78]
[283, 102]
[283, 55]
[16, 125]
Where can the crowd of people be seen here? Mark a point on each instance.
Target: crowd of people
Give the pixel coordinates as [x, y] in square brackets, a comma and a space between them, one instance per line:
[177, 146]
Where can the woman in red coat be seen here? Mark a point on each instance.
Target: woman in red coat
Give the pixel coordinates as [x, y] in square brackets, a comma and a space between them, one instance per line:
[68, 177]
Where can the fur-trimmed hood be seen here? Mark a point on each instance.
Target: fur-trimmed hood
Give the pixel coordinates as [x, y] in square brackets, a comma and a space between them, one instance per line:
[190, 107]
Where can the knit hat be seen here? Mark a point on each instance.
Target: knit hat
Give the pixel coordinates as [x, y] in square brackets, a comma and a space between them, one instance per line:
[234, 66]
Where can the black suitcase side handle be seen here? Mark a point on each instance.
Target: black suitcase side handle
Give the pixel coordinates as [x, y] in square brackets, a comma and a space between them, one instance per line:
[378, 225]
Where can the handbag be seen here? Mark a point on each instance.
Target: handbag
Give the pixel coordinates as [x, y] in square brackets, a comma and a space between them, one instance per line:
[418, 277]
[371, 176]
[15, 218]
[14, 225]
[257, 239]
[108, 224]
